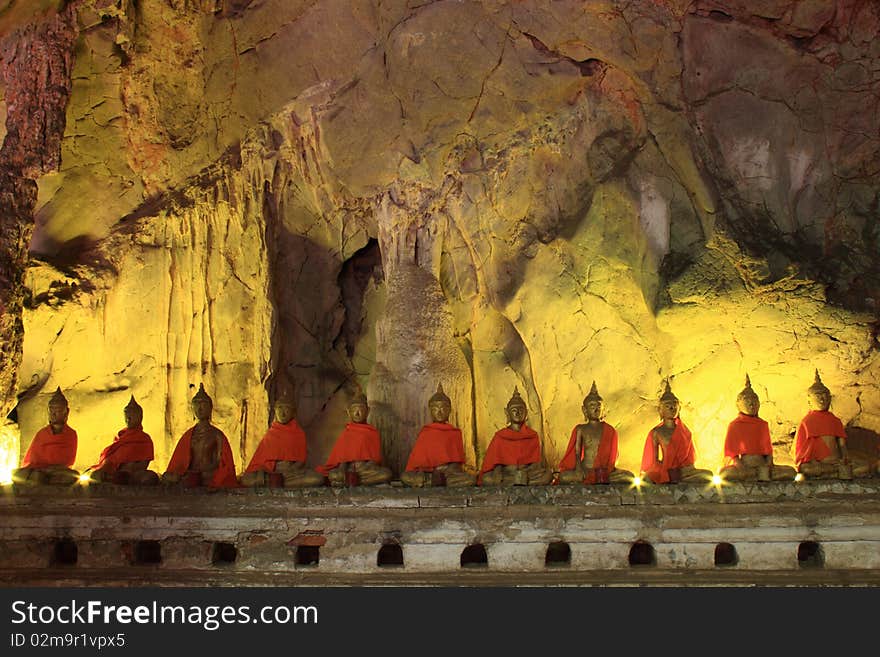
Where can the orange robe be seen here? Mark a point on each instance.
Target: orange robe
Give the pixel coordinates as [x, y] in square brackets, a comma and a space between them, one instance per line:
[438, 443]
[357, 442]
[509, 447]
[809, 445]
[129, 445]
[606, 454]
[746, 435]
[677, 454]
[48, 448]
[224, 475]
[282, 442]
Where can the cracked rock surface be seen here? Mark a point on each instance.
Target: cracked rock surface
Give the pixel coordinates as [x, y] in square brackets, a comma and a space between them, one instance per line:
[486, 194]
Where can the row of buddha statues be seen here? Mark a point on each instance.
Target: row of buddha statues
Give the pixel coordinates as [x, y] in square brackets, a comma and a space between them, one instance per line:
[203, 457]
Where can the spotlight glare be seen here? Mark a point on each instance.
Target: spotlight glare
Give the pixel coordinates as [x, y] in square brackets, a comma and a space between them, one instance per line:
[799, 477]
[84, 478]
[637, 481]
[8, 460]
[717, 480]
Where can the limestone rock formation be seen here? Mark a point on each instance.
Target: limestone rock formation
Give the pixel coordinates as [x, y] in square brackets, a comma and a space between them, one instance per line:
[486, 194]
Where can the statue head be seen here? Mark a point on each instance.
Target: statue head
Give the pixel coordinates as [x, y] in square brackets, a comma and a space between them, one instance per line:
[747, 401]
[517, 412]
[818, 395]
[358, 408]
[58, 410]
[593, 406]
[202, 404]
[285, 407]
[134, 414]
[668, 405]
[439, 405]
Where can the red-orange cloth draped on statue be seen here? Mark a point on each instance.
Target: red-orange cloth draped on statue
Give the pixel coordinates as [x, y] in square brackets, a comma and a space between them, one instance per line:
[49, 448]
[437, 443]
[282, 442]
[357, 442]
[224, 475]
[606, 454]
[509, 447]
[809, 445]
[129, 446]
[747, 434]
[677, 454]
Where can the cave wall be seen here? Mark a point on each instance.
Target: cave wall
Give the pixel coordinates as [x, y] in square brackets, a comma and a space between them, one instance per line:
[484, 194]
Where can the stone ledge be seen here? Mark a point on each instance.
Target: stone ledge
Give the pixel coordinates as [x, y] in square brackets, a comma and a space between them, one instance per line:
[397, 497]
[766, 524]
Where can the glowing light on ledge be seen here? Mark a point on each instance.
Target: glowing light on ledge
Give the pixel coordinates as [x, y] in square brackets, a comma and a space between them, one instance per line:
[637, 482]
[717, 480]
[85, 479]
[799, 477]
[8, 459]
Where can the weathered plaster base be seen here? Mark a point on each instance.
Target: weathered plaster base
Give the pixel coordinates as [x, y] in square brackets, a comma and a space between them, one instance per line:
[684, 524]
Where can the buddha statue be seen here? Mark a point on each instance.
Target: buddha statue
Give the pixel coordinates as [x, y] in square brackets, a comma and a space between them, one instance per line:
[515, 455]
[748, 452]
[202, 456]
[52, 452]
[125, 460]
[669, 453]
[437, 458]
[280, 459]
[356, 457]
[591, 454]
[820, 443]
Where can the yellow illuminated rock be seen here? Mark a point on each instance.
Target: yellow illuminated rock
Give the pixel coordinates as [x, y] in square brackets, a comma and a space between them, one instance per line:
[9, 451]
[493, 194]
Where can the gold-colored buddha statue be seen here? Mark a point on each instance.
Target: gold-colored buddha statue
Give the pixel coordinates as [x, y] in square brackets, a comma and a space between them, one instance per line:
[126, 459]
[280, 458]
[52, 452]
[820, 444]
[356, 457]
[437, 457]
[202, 456]
[591, 455]
[515, 455]
[748, 451]
[669, 452]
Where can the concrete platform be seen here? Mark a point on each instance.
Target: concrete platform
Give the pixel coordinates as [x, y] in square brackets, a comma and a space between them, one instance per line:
[773, 534]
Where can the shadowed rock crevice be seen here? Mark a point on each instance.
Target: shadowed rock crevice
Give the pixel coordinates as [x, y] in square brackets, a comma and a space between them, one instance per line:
[364, 266]
[587, 67]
